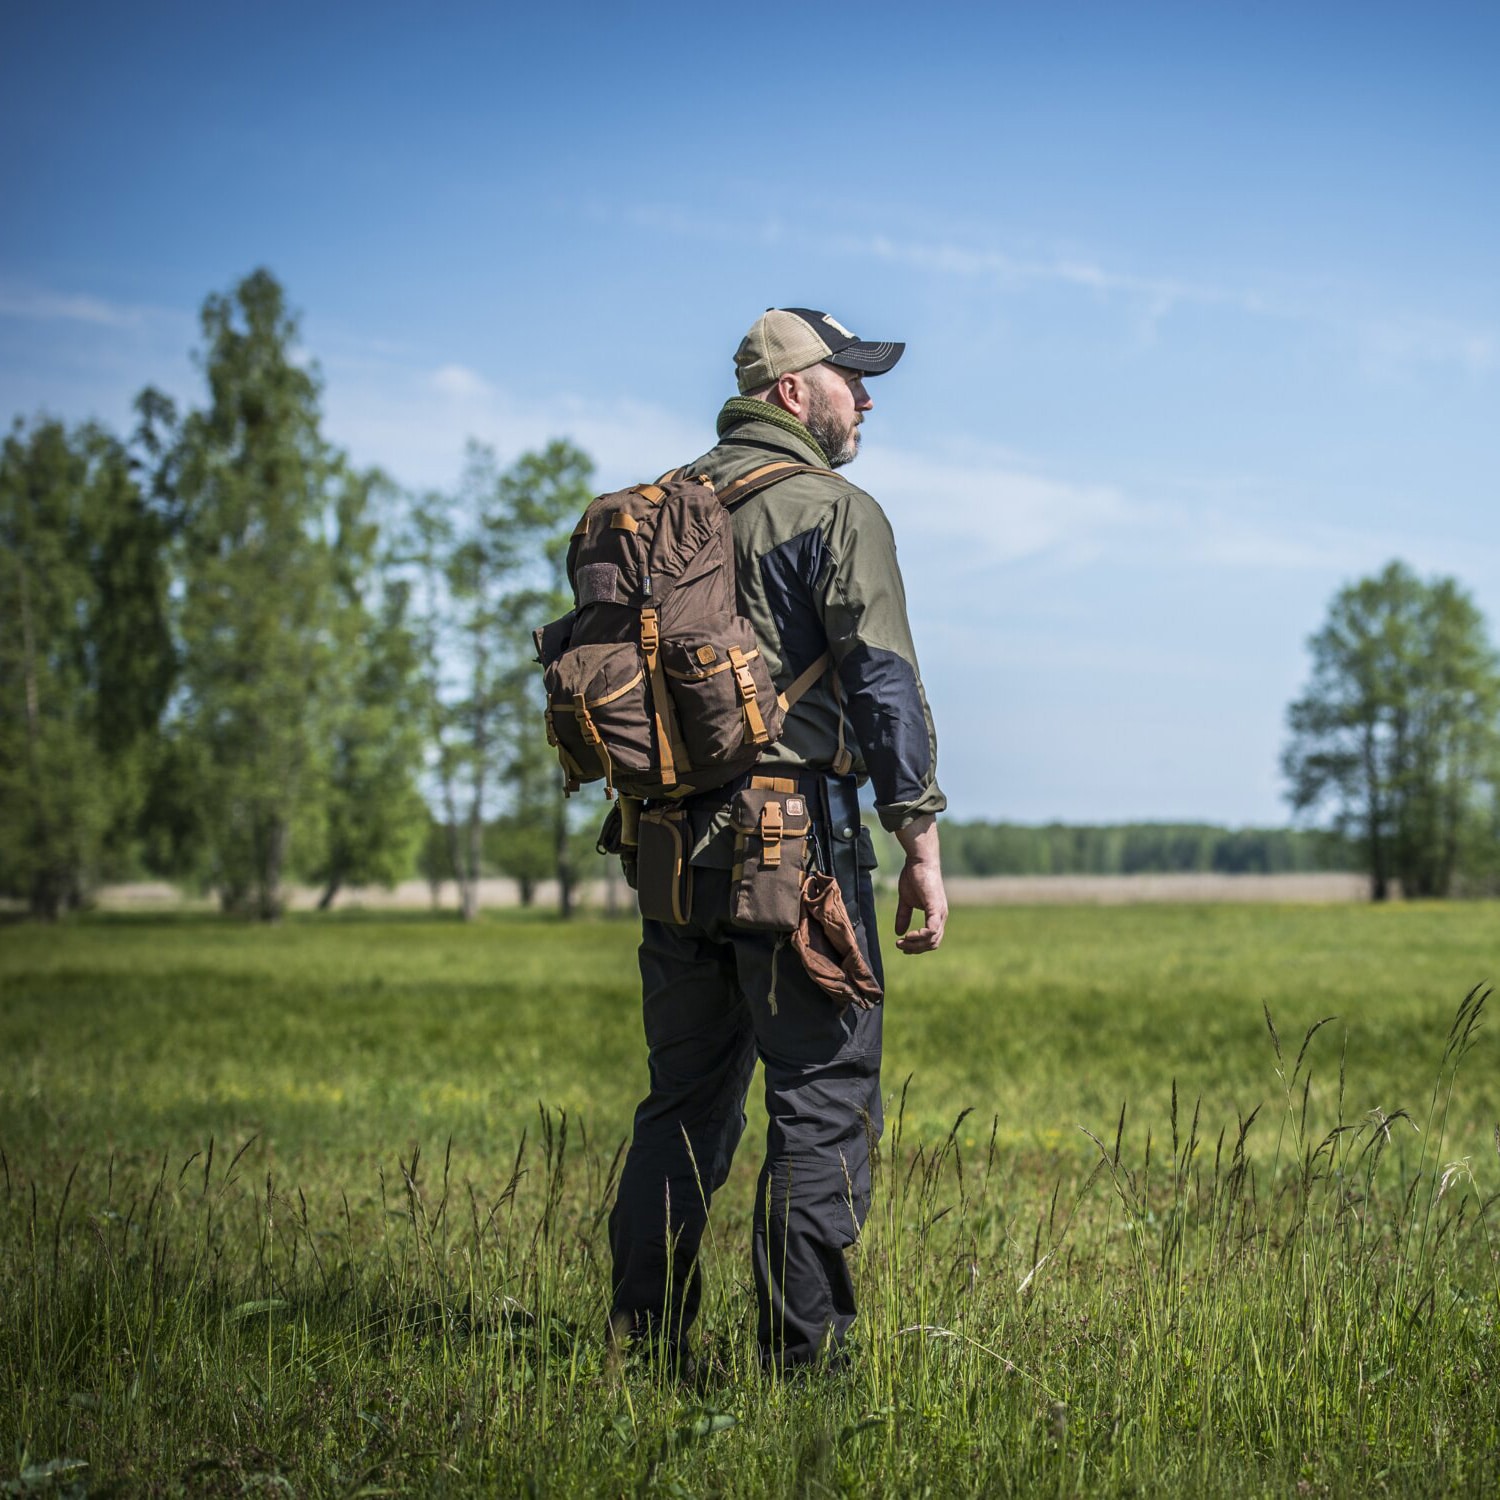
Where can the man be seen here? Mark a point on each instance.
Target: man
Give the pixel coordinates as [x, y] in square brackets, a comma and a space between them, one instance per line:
[816, 566]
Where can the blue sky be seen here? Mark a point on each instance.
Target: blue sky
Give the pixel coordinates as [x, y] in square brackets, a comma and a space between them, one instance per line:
[1202, 303]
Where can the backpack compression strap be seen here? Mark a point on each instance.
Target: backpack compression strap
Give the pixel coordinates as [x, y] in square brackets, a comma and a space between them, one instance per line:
[756, 480]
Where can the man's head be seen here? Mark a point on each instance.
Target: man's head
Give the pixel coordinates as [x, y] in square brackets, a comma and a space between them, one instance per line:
[811, 366]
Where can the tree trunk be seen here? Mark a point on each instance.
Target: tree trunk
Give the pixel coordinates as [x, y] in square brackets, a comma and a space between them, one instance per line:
[268, 904]
[45, 901]
[455, 858]
[335, 885]
[567, 877]
[46, 891]
[471, 873]
[1379, 884]
[526, 886]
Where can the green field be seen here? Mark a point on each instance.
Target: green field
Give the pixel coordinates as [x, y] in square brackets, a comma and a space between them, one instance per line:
[318, 1209]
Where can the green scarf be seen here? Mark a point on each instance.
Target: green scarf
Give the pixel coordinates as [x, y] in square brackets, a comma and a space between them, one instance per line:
[746, 409]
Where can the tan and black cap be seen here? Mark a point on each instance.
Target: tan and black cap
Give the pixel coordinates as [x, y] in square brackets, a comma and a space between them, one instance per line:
[786, 339]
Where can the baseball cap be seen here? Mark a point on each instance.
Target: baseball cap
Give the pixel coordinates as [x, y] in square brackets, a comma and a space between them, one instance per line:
[785, 339]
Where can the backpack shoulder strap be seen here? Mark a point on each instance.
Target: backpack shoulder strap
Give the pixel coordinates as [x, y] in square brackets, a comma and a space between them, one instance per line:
[799, 688]
[741, 489]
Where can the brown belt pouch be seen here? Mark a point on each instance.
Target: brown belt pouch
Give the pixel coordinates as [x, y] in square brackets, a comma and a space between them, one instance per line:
[771, 822]
[664, 878]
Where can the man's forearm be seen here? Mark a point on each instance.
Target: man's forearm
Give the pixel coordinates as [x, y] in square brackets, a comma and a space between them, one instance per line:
[919, 840]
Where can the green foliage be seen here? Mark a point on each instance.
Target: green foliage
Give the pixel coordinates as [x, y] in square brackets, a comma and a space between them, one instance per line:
[295, 715]
[1399, 730]
[278, 1211]
[376, 816]
[85, 661]
[980, 848]
[488, 567]
[540, 498]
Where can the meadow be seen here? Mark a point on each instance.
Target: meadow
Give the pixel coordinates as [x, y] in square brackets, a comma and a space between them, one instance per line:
[319, 1209]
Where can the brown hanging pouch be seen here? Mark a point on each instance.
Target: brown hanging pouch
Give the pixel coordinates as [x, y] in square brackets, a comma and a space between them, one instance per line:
[771, 823]
[664, 878]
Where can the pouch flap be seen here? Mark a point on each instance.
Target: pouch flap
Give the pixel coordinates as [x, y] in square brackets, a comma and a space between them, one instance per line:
[757, 811]
[552, 640]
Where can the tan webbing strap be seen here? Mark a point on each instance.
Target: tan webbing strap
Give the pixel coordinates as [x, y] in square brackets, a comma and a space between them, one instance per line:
[630, 822]
[770, 835]
[668, 742]
[590, 732]
[762, 478]
[619, 692]
[842, 760]
[786, 785]
[622, 520]
[572, 771]
[650, 492]
[803, 682]
[755, 722]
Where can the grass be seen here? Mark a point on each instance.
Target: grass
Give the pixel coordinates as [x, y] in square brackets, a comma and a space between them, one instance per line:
[319, 1209]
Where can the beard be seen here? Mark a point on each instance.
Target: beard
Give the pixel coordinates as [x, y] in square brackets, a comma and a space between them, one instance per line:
[838, 439]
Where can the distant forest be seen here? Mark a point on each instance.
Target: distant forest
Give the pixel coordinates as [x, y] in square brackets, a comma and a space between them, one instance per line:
[1140, 849]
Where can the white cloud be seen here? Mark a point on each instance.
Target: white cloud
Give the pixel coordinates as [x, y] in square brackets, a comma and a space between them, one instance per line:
[984, 510]
[48, 307]
[1384, 340]
[460, 383]
[414, 422]
[1395, 344]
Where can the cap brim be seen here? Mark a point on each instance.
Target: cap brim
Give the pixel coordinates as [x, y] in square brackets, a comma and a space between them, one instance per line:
[869, 359]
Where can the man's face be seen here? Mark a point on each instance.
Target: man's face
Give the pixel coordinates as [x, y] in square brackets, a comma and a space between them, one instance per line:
[836, 404]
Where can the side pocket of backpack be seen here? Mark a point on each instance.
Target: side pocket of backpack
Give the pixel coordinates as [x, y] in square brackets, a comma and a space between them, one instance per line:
[724, 696]
[598, 714]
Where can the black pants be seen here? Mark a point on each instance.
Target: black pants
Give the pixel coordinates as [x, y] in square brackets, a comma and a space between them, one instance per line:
[715, 999]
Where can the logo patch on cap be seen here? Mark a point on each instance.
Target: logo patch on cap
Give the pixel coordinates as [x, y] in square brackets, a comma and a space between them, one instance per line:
[833, 322]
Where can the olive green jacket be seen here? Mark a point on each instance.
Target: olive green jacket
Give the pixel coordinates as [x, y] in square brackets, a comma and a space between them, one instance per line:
[816, 565]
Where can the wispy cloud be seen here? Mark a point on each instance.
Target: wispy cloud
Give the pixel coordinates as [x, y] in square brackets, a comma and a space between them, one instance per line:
[42, 306]
[414, 420]
[1392, 345]
[963, 518]
[1384, 340]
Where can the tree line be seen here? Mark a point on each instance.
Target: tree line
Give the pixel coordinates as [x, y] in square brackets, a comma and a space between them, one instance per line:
[233, 658]
[980, 848]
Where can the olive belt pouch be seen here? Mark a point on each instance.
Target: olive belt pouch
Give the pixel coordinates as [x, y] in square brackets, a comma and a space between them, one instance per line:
[771, 825]
[664, 878]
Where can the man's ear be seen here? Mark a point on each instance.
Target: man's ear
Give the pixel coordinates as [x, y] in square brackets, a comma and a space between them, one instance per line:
[790, 394]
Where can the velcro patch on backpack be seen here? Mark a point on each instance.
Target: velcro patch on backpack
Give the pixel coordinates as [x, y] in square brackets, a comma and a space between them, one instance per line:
[597, 583]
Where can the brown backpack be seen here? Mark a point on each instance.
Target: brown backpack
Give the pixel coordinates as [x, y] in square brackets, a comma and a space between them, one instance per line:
[655, 681]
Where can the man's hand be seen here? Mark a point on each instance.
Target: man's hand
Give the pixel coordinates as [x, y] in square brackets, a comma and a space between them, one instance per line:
[920, 887]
